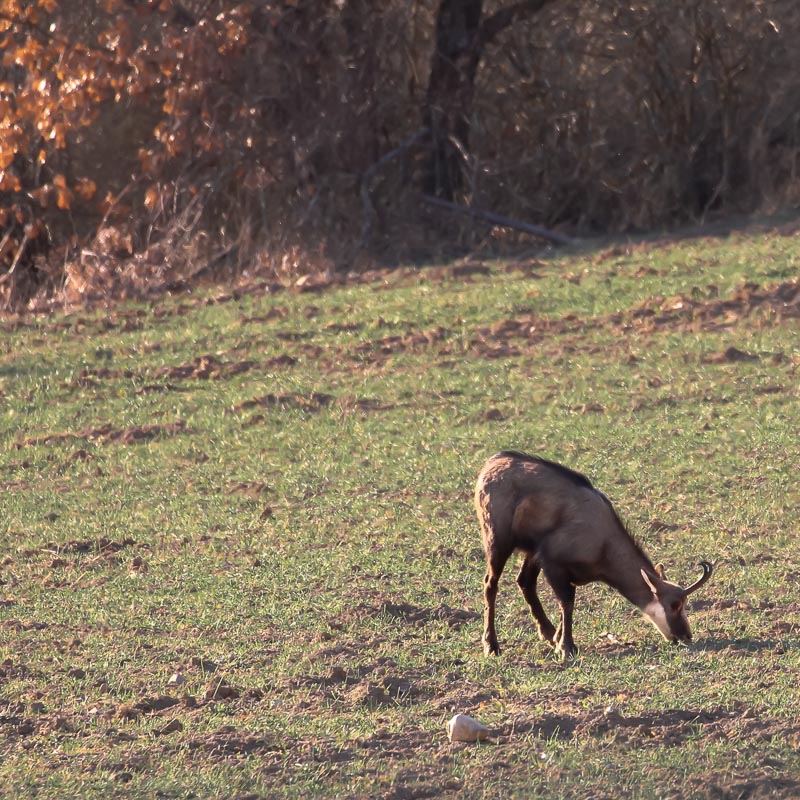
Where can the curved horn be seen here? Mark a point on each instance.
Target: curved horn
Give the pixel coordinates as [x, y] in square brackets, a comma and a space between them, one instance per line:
[707, 570]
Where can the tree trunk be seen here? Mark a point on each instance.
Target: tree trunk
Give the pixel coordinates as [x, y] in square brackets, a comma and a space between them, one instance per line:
[461, 36]
[451, 87]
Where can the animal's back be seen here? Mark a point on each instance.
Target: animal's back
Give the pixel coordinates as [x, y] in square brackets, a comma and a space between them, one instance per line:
[570, 475]
[532, 504]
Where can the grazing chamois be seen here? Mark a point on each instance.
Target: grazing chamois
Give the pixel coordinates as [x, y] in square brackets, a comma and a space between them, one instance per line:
[570, 531]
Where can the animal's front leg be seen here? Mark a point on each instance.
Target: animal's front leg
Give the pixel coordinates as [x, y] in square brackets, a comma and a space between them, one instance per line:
[565, 594]
[565, 645]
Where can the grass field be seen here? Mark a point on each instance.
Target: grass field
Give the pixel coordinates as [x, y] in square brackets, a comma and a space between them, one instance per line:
[238, 554]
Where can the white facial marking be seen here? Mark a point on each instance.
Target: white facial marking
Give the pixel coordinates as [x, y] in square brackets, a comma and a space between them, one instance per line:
[656, 613]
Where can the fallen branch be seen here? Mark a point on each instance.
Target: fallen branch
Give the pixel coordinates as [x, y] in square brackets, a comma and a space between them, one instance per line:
[498, 219]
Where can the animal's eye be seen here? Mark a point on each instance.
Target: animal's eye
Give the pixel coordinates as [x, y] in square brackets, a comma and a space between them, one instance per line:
[676, 606]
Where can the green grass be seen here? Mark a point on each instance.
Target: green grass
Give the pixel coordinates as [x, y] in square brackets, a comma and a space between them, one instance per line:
[274, 491]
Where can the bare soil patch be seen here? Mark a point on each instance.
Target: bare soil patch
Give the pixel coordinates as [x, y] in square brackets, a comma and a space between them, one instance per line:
[312, 403]
[414, 615]
[658, 728]
[205, 367]
[229, 742]
[782, 299]
[106, 434]
[411, 341]
[742, 786]
[91, 376]
[655, 314]
[527, 333]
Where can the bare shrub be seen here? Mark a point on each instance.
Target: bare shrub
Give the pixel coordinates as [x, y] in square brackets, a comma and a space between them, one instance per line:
[642, 114]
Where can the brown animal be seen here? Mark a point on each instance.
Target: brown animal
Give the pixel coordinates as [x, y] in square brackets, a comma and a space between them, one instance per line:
[570, 531]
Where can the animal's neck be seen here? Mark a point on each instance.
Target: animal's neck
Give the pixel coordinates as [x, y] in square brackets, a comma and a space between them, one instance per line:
[624, 565]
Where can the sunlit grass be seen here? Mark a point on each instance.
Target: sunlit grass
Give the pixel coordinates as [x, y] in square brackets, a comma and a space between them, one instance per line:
[307, 531]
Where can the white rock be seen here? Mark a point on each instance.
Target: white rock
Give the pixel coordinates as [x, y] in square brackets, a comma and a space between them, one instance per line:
[177, 679]
[462, 728]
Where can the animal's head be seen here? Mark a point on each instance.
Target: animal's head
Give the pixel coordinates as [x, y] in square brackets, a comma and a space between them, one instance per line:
[667, 609]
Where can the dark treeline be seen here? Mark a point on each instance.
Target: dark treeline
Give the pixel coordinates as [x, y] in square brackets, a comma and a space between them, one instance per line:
[143, 142]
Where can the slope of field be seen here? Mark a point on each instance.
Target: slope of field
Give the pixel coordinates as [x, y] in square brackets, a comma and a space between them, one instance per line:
[238, 555]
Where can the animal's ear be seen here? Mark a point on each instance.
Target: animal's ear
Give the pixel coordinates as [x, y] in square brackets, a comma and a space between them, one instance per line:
[650, 583]
[660, 572]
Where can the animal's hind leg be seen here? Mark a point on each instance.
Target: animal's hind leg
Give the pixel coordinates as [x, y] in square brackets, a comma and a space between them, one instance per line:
[526, 580]
[494, 569]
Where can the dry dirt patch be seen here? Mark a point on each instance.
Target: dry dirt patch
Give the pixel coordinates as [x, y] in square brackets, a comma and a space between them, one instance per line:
[742, 786]
[100, 545]
[672, 727]
[515, 336]
[414, 615]
[411, 341]
[108, 433]
[228, 742]
[312, 402]
[91, 376]
[205, 367]
[656, 312]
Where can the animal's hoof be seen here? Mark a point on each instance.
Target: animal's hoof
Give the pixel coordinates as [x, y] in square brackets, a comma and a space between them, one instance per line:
[491, 649]
[567, 653]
